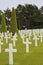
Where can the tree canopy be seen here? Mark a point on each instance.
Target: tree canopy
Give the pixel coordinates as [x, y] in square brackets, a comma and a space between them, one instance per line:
[27, 16]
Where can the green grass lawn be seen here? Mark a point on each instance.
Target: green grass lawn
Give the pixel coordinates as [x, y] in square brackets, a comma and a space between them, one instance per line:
[34, 57]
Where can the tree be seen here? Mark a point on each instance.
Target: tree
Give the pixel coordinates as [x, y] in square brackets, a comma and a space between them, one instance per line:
[13, 22]
[8, 17]
[41, 10]
[0, 16]
[27, 14]
[20, 16]
[3, 23]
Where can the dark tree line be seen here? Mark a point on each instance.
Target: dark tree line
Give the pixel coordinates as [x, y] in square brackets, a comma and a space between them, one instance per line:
[28, 16]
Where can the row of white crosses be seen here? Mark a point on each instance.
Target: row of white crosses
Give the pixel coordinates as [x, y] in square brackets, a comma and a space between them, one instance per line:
[1, 43]
[36, 32]
[15, 38]
[25, 33]
[40, 35]
[10, 50]
[7, 36]
[36, 37]
[41, 38]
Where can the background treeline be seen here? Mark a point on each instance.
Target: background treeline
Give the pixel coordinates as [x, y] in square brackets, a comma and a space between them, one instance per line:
[28, 16]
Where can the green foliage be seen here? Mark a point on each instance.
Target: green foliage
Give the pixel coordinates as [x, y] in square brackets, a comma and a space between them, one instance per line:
[27, 16]
[13, 22]
[3, 23]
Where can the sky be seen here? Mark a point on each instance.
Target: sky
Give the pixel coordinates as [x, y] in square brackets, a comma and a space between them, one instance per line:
[4, 4]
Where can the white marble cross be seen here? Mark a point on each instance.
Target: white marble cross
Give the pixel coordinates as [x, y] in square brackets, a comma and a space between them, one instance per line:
[41, 31]
[15, 35]
[41, 37]
[2, 35]
[23, 36]
[6, 37]
[30, 34]
[1, 43]
[27, 45]
[14, 39]
[34, 33]
[10, 50]
[7, 32]
[9, 35]
[36, 39]
[22, 33]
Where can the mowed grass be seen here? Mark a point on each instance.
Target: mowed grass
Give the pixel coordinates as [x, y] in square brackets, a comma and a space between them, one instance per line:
[34, 57]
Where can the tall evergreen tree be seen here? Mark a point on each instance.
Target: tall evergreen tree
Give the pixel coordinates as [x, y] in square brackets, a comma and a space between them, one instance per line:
[13, 22]
[3, 23]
